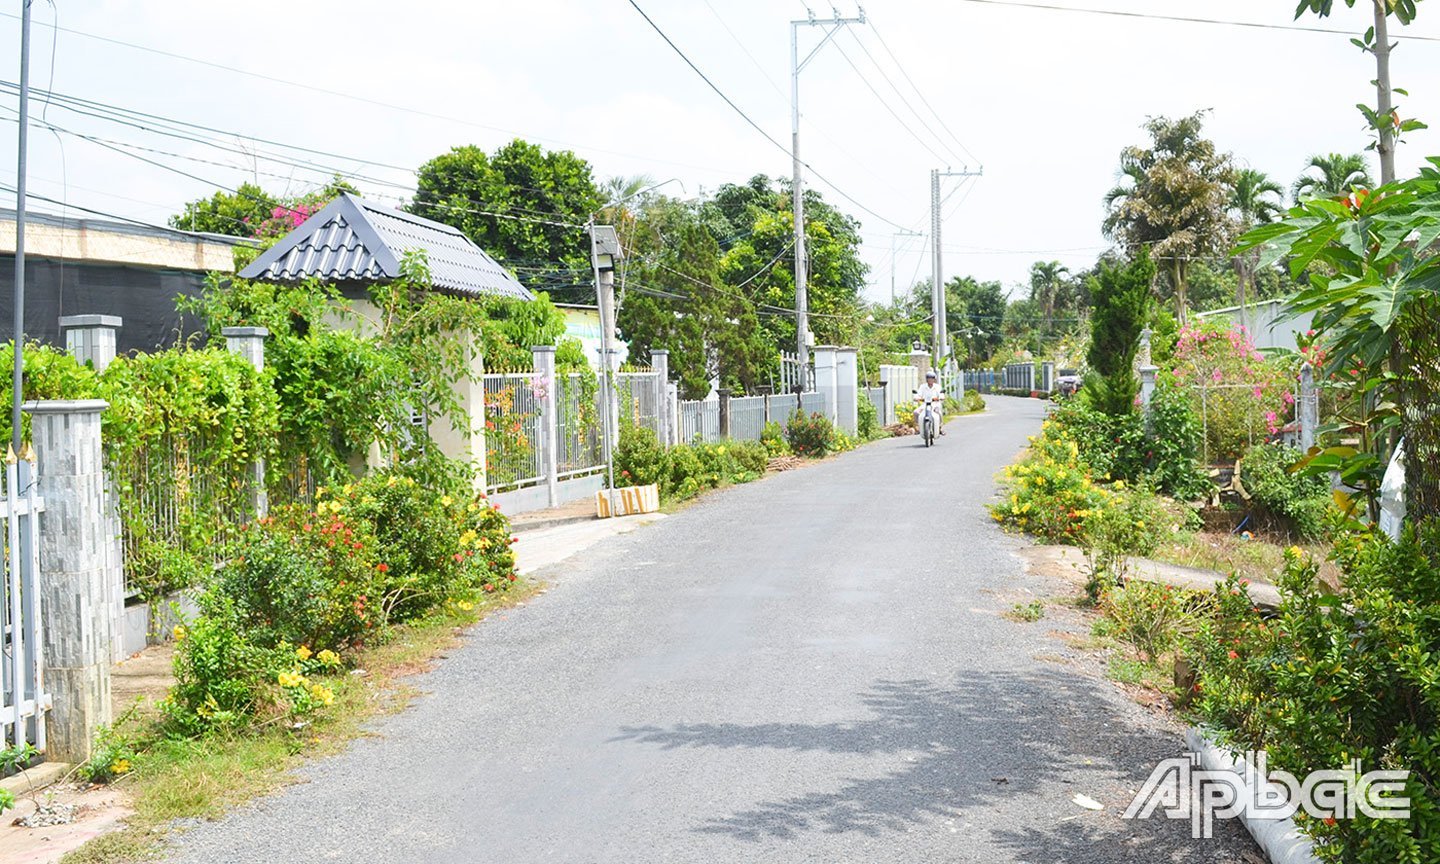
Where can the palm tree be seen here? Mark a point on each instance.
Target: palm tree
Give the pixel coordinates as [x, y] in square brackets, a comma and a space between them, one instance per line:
[1046, 279]
[1339, 175]
[1251, 203]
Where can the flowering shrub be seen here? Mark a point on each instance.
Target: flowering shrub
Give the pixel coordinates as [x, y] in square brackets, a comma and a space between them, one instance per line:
[773, 437]
[1130, 522]
[811, 436]
[1241, 396]
[1155, 618]
[300, 588]
[1051, 493]
[1334, 678]
[1120, 448]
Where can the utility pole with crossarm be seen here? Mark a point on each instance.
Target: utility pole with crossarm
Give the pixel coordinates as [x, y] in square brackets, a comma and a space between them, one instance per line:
[937, 285]
[797, 185]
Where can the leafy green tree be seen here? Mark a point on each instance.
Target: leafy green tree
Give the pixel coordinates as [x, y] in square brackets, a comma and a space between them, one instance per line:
[984, 306]
[1121, 294]
[1339, 176]
[1173, 197]
[1376, 275]
[1254, 200]
[250, 211]
[1384, 118]
[237, 215]
[522, 204]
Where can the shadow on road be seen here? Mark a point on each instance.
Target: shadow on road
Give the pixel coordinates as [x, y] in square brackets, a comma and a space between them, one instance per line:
[1000, 753]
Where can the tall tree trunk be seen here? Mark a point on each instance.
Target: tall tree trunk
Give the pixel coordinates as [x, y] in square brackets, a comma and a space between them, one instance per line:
[1382, 88]
[1177, 273]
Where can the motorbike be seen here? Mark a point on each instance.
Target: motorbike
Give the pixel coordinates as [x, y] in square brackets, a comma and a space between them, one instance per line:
[929, 420]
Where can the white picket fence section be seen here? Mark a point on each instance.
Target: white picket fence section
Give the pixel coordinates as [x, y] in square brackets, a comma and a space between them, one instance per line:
[25, 700]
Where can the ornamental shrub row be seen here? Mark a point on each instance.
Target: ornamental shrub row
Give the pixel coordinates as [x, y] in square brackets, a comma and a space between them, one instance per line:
[684, 470]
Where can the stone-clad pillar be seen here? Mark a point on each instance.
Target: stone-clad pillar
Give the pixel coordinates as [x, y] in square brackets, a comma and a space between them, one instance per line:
[78, 624]
[91, 338]
[249, 342]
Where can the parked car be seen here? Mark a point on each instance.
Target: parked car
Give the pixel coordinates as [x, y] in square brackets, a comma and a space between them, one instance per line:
[1068, 382]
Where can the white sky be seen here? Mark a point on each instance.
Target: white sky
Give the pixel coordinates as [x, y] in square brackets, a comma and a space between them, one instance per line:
[1043, 99]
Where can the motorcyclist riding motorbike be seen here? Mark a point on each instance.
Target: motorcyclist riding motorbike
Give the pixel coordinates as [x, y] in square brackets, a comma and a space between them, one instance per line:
[929, 393]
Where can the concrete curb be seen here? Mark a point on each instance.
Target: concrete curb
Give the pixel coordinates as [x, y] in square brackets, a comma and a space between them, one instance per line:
[542, 524]
[1279, 839]
[39, 777]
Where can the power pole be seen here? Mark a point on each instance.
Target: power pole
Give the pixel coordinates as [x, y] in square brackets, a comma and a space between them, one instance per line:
[18, 371]
[797, 184]
[937, 285]
[892, 258]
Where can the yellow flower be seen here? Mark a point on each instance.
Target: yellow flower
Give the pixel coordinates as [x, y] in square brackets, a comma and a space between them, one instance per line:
[291, 679]
[392, 481]
[1294, 551]
[120, 766]
[324, 694]
[303, 653]
[467, 606]
[328, 657]
[178, 632]
[446, 501]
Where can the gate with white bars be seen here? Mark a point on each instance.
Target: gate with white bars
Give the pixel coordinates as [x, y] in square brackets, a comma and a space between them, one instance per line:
[25, 701]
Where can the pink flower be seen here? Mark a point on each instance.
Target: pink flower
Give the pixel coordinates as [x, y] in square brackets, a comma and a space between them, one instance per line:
[1289, 399]
[1215, 376]
[1259, 391]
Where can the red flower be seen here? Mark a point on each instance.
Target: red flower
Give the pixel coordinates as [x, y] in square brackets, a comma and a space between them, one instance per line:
[383, 568]
[1234, 656]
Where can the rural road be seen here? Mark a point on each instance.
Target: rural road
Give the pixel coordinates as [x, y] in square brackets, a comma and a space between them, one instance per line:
[810, 668]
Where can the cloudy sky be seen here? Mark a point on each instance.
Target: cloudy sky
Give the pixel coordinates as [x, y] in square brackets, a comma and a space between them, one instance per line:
[1044, 99]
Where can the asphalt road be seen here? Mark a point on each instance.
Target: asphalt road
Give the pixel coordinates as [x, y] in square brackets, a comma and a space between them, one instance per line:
[810, 668]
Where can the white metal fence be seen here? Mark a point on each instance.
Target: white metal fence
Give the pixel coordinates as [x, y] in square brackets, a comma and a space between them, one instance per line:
[747, 418]
[23, 700]
[700, 421]
[512, 430]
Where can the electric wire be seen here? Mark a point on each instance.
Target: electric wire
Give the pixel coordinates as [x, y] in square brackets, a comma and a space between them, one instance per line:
[919, 92]
[746, 117]
[1187, 19]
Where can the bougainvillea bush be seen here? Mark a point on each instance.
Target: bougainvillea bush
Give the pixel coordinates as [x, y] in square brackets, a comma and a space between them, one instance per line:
[1240, 396]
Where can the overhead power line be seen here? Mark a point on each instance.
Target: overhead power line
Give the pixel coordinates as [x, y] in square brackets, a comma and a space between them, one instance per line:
[919, 92]
[1189, 19]
[906, 102]
[746, 117]
[340, 94]
[886, 105]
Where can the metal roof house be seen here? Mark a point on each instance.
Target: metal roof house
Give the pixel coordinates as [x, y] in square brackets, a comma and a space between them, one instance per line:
[354, 242]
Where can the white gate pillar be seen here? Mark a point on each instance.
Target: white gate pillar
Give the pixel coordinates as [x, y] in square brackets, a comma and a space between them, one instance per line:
[827, 378]
[544, 356]
[847, 392]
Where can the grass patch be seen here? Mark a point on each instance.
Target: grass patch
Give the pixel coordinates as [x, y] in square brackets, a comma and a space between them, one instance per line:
[1258, 560]
[1032, 611]
[205, 778]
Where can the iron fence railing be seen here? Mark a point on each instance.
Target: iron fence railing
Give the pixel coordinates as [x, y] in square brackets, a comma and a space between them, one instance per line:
[747, 418]
[512, 431]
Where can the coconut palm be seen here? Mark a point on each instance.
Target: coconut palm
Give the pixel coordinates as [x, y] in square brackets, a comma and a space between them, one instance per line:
[1339, 175]
[1254, 199]
[1046, 280]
